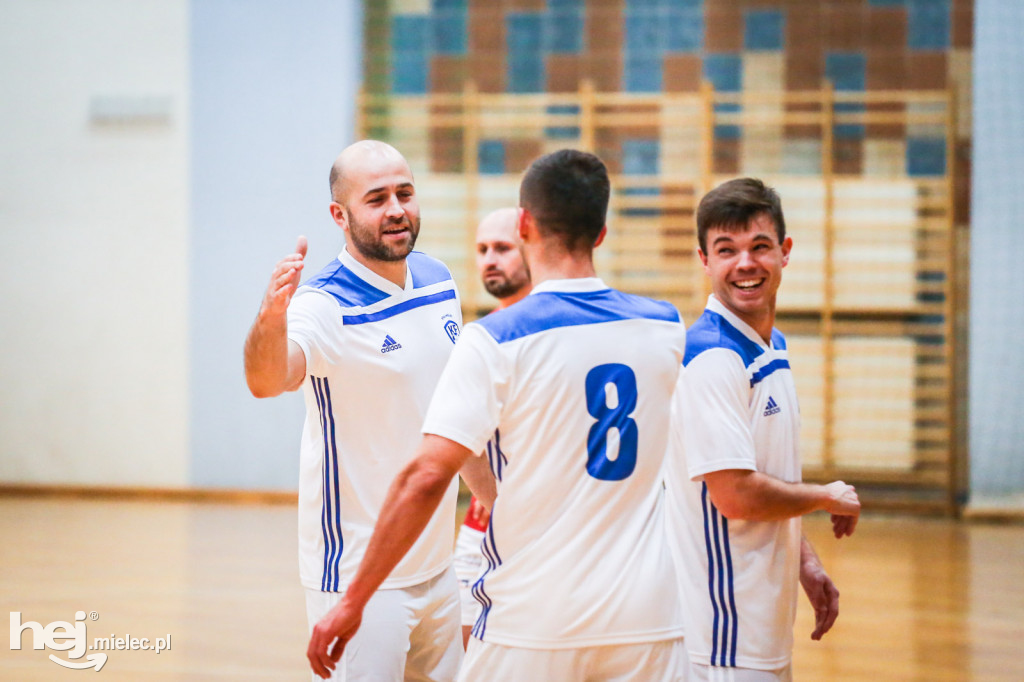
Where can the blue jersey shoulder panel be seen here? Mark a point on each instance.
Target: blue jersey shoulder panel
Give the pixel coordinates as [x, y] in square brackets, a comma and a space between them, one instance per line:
[345, 286]
[552, 309]
[712, 330]
[426, 270]
[778, 340]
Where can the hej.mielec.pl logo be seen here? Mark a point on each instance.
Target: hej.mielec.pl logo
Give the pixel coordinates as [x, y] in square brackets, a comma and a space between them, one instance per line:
[73, 638]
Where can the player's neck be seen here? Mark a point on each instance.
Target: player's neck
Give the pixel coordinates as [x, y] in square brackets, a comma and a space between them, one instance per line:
[393, 271]
[561, 266]
[514, 298]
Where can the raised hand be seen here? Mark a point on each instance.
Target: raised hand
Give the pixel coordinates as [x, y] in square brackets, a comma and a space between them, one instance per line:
[284, 280]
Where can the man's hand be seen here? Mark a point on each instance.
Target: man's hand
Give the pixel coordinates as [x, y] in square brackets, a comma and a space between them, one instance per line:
[844, 505]
[284, 280]
[820, 589]
[478, 513]
[337, 627]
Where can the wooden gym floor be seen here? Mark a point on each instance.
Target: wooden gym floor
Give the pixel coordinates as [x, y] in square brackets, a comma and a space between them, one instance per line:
[922, 599]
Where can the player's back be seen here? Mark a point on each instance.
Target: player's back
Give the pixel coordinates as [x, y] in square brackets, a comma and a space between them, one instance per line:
[576, 550]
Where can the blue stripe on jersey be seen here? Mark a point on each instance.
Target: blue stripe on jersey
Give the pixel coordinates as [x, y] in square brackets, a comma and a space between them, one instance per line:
[725, 621]
[330, 514]
[712, 330]
[402, 307]
[553, 309]
[346, 286]
[495, 457]
[489, 549]
[426, 270]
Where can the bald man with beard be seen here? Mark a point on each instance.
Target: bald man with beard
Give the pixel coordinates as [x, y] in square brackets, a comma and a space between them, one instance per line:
[366, 339]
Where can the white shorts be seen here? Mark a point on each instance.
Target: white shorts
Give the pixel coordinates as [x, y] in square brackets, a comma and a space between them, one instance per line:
[714, 673]
[410, 634]
[664, 661]
[468, 562]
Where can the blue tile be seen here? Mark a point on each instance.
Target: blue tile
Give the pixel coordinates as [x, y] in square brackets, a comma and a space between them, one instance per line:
[640, 156]
[929, 25]
[644, 4]
[562, 132]
[763, 30]
[926, 156]
[724, 71]
[524, 32]
[576, 5]
[564, 32]
[645, 30]
[436, 5]
[491, 157]
[685, 30]
[643, 73]
[410, 33]
[449, 32]
[408, 73]
[525, 72]
[846, 70]
[887, 3]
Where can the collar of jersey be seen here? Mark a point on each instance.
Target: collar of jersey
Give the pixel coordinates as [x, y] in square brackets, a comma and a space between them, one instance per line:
[716, 306]
[369, 276]
[576, 285]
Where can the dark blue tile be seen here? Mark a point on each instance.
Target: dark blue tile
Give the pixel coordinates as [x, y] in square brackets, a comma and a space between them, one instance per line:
[763, 30]
[562, 132]
[576, 5]
[685, 30]
[643, 73]
[846, 70]
[645, 30]
[525, 72]
[929, 24]
[410, 33]
[491, 157]
[449, 32]
[564, 32]
[524, 33]
[724, 71]
[409, 73]
[644, 4]
[640, 156]
[436, 5]
[926, 156]
[887, 3]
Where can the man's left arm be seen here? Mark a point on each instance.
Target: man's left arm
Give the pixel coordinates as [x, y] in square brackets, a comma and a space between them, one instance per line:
[411, 500]
[820, 589]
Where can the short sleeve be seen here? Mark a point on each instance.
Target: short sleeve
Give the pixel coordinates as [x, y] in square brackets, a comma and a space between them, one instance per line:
[712, 412]
[309, 315]
[467, 402]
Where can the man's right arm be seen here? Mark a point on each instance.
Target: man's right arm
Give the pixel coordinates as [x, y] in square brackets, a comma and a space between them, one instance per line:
[273, 363]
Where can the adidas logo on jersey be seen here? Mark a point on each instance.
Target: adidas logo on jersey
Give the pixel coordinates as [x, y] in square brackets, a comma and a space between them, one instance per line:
[389, 345]
[772, 407]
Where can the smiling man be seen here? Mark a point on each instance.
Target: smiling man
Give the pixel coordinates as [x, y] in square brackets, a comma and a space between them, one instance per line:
[734, 493]
[366, 339]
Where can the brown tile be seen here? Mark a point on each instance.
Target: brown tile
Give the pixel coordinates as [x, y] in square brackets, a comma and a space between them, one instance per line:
[524, 5]
[886, 131]
[848, 157]
[608, 146]
[723, 29]
[805, 69]
[803, 26]
[886, 28]
[682, 73]
[926, 70]
[605, 70]
[843, 27]
[488, 74]
[885, 69]
[604, 26]
[962, 183]
[445, 150]
[564, 73]
[801, 131]
[726, 156]
[448, 74]
[520, 153]
[963, 25]
[486, 29]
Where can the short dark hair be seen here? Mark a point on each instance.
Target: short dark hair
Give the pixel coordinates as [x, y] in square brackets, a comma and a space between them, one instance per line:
[733, 204]
[566, 192]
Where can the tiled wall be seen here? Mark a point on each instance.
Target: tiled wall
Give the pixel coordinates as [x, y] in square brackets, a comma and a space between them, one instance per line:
[529, 46]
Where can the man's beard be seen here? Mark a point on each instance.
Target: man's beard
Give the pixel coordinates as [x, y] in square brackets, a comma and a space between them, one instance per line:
[504, 287]
[370, 243]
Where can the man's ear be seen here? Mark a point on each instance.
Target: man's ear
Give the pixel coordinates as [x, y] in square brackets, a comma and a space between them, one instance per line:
[339, 216]
[525, 226]
[600, 236]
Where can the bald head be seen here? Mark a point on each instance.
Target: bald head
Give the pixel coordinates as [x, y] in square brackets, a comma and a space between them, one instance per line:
[354, 159]
[499, 256]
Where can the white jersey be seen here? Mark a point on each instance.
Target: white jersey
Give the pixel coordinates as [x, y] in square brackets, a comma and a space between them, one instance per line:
[735, 408]
[374, 351]
[576, 379]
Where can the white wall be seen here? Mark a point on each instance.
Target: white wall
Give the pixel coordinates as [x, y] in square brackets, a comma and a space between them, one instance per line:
[997, 297]
[93, 232]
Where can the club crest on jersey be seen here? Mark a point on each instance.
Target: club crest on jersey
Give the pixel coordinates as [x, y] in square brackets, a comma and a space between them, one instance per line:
[389, 345]
[772, 407]
[451, 327]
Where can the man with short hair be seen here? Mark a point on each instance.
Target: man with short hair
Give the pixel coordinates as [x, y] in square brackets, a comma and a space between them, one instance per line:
[502, 267]
[366, 339]
[735, 496]
[576, 377]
